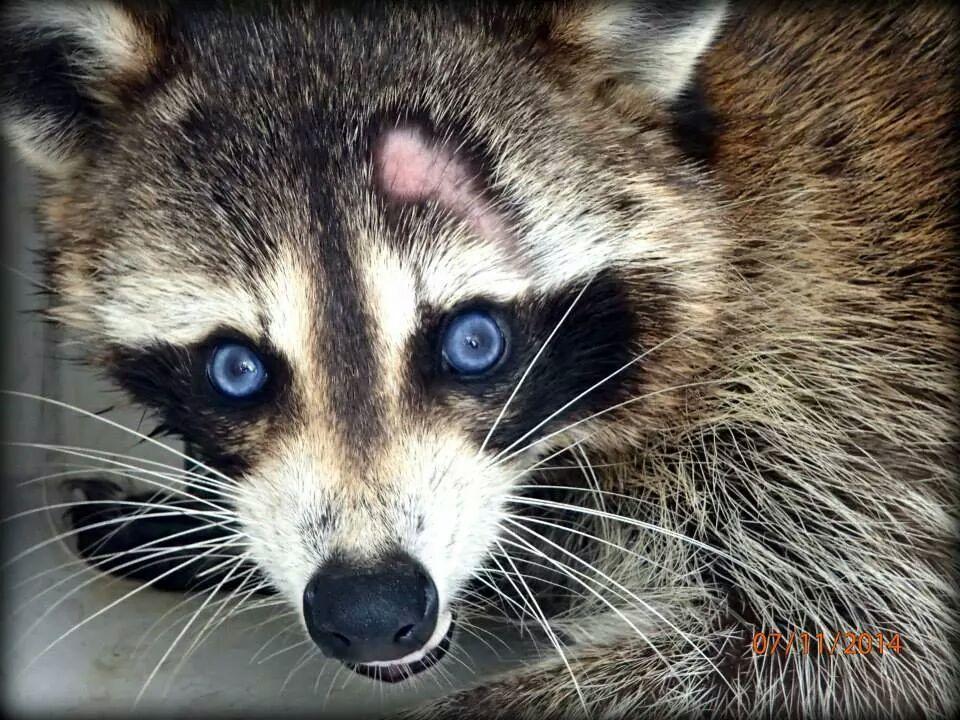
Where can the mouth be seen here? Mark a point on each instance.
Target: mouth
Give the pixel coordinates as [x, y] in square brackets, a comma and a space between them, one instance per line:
[413, 664]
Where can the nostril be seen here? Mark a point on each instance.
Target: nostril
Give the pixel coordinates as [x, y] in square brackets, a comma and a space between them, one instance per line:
[340, 639]
[404, 634]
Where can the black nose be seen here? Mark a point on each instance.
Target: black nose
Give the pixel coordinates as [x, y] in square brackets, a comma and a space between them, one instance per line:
[370, 614]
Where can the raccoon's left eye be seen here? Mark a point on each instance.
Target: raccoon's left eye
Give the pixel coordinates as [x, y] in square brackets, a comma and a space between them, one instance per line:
[236, 371]
[472, 343]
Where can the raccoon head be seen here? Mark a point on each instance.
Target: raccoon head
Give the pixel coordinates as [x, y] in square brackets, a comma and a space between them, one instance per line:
[375, 263]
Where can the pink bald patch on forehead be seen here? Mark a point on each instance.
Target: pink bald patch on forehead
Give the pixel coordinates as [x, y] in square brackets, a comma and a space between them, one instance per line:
[412, 168]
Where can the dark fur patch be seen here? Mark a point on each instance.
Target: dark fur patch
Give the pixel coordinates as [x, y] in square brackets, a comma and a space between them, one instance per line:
[598, 337]
[172, 379]
[39, 81]
[695, 126]
[121, 539]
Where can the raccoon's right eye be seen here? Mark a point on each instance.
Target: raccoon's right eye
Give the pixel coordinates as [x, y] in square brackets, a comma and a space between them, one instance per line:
[472, 343]
[236, 371]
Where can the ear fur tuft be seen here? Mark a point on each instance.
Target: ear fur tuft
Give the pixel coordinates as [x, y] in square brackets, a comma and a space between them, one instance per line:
[653, 43]
[64, 64]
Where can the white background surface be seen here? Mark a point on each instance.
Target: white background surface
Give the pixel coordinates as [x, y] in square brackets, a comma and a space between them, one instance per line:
[103, 664]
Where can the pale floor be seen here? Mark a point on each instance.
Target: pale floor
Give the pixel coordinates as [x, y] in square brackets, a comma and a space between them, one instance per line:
[248, 665]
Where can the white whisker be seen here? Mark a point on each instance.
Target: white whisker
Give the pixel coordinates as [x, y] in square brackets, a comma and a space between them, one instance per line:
[113, 521]
[152, 559]
[309, 655]
[530, 366]
[549, 630]
[111, 423]
[283, 650]
[501, 458]
[210, 595]
[624, 519]
[285, 629]
[216, 621]
[99, 455]
[108, 607]
[626, 590]
[637, 358]
[125, 503]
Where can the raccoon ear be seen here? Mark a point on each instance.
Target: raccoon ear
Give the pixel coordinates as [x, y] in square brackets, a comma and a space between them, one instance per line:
[65, 66]
[652, 43]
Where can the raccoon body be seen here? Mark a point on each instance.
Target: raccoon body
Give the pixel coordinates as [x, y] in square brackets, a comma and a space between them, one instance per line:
[634, 319]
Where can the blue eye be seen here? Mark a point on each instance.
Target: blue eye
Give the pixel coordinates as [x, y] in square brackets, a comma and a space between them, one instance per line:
[236, 371]
[472, 343]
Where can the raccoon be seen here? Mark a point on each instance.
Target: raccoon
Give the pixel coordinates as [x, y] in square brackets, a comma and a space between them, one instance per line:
[635, 320]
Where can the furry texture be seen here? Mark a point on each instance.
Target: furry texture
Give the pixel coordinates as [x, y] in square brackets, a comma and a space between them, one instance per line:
[783, 457]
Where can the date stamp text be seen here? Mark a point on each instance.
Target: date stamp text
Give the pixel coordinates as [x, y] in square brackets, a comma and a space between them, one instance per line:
[840, 643]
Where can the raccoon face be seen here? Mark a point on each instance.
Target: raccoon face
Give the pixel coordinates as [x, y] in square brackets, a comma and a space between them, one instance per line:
[375, 264]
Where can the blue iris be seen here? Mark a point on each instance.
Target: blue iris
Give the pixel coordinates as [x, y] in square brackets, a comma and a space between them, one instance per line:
[472, 343]
[236, 371]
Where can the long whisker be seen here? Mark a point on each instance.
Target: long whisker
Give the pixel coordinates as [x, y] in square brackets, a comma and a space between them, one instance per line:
[111, 605]
[702, 383]
[165, 508]
[475, 630]
[285, 629]
[127, 503]
[596, 466]
[277, 653]
[574, 488]
[624, 519]
[527, 608]
[536, 465]
[533, 362]
[136, 561]
[624, 589]
[546, 626]
[210, 595]
[589, 536]
[593, 483]
[89, 454]
[113, 521]
[191, 597]
[84, 561]
[441, 672]
[265, 604]
[478, 605]
[172, 470]
[333, 681]
[309, 655]
[87, 563]
[88, 559]
[532, 577]
[111, 423]
[637, 358]
[520, 609]
[72, 469]
[469, 667]
[216, 621]
[153, 631]
[578, 577]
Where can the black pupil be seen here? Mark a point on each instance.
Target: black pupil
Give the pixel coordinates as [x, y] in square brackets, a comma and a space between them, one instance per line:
[243, 367]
